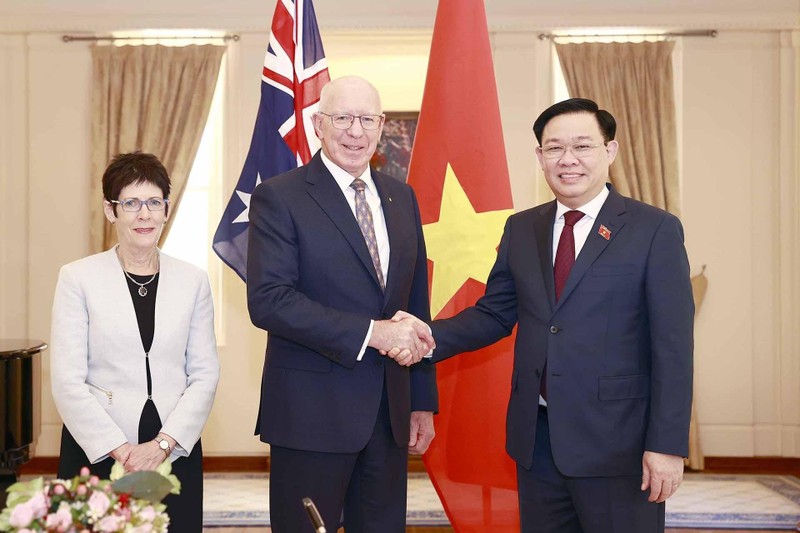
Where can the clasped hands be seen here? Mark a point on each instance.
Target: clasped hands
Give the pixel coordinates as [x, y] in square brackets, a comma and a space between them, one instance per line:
[404, 338]
[145, 456]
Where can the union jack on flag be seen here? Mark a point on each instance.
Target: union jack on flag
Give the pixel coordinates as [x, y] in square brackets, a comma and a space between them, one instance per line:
[294, 72]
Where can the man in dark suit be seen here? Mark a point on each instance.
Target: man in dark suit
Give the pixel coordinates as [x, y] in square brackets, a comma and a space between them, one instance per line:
[336, 249]
[601, 390]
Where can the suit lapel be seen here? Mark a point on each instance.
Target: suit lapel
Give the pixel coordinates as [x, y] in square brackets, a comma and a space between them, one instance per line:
[324, 190]
[128, 324]
[394, 217]
[612, 216]
[543, 230]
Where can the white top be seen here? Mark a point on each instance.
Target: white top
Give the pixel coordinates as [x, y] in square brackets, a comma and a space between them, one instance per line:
[97, 362]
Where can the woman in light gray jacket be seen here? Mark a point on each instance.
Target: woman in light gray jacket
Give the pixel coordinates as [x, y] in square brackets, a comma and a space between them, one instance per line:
[133, 355]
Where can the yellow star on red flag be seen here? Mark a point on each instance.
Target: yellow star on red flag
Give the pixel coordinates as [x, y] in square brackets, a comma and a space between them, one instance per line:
[462, 243]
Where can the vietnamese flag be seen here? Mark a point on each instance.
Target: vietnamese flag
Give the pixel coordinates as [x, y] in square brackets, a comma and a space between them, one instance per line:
[459, 172]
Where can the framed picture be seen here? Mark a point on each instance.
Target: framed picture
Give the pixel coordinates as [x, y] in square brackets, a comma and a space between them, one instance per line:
[394, 148]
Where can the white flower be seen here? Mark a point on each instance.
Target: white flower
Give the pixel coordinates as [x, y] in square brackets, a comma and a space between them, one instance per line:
[144, 528]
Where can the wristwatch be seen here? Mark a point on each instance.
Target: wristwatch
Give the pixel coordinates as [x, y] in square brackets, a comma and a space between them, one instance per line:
[164, 445]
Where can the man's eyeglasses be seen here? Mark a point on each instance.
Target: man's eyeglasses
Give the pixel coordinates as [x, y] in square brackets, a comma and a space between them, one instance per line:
[557, 151]
[343, 122]
[134, 205]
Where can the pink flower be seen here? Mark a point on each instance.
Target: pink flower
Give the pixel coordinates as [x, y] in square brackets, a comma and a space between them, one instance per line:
[58, 489]
[21, 515]
[24, 513]
[110, 524]
[98, 503]
[39, 504]
[148, 514]
[81, 490]
[61, 520]
[94, 480]
[85, 471]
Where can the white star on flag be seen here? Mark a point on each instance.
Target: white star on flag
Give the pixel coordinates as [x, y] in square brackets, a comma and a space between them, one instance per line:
[244, 216]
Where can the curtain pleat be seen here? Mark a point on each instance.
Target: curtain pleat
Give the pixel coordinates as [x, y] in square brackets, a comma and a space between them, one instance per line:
[150, 98]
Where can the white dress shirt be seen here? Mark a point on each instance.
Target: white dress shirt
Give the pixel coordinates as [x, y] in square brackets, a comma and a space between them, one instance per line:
[344, 179]
[582, 228]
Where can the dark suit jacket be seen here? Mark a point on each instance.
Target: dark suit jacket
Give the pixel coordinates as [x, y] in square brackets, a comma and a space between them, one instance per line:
[311, 284]
[618, 343]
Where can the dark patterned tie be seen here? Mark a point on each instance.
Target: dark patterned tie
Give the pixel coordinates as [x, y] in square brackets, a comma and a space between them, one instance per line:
[364, 218]
[565, 258]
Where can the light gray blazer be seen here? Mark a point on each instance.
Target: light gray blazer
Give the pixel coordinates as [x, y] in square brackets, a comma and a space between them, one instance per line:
[97, 362]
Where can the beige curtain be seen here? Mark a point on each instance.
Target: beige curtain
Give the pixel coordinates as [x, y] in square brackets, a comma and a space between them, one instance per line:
[634, 82]
[150, 98]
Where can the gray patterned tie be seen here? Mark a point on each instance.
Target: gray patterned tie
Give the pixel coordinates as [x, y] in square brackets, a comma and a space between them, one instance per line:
[364, 218]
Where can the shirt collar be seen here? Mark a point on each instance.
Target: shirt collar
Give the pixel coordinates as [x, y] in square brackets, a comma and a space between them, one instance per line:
[344, 178]
[590, 209]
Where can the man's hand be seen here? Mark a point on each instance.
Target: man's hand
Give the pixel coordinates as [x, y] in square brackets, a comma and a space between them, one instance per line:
[662, 474]
[422, 432]
[408, 339]
[403, 355]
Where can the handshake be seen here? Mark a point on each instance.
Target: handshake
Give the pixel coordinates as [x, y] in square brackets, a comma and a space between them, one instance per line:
[405, 338]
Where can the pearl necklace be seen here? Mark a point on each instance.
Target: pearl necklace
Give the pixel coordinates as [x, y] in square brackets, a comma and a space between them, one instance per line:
[142, 289]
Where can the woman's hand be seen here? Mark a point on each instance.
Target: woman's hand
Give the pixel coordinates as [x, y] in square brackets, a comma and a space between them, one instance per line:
[121, 453]
[145, 456]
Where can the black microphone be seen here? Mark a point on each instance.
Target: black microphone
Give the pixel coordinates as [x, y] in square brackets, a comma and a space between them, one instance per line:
[314, 516]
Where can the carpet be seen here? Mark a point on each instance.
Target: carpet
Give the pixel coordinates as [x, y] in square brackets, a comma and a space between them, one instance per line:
[703, 501]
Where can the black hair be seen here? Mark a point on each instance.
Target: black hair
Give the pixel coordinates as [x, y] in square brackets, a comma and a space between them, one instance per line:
[608, 126]
[135, 167]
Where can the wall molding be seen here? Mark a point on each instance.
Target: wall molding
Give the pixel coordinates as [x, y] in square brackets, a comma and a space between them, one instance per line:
[364, 16]
[260, 463]
[48, 465]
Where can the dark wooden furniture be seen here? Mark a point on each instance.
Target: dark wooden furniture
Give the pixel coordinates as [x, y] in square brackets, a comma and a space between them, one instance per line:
[17, 407]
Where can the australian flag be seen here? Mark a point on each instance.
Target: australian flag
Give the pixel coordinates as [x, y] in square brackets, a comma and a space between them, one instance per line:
[294, 72]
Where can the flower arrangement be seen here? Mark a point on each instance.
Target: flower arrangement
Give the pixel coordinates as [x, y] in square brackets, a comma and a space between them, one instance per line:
[86, 504]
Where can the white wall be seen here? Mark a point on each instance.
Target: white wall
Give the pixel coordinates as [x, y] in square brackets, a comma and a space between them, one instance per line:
[740, 175]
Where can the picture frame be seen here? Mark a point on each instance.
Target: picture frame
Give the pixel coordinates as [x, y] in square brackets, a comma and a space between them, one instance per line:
[393, 153]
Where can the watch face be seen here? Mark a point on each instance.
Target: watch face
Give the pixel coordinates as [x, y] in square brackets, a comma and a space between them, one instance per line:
[164, 444]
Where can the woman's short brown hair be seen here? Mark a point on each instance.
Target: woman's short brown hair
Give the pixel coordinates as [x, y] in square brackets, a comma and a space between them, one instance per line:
[134, 168]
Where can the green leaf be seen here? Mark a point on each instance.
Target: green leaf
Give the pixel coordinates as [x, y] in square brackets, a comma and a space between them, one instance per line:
[22, 491]
[150, 486]
[117, 471]
[165, 469]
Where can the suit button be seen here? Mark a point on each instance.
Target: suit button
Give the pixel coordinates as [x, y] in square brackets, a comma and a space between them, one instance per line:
[554, 329]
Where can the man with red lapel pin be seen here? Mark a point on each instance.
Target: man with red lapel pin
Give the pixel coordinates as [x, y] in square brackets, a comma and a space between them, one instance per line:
[601, 390]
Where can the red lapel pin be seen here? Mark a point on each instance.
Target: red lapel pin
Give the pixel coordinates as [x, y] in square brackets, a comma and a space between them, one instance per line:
[604, 232]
